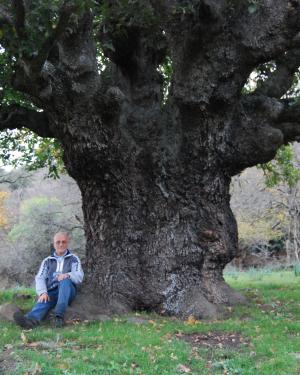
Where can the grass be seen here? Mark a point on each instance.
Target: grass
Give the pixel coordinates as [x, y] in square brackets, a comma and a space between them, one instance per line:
[270, 326]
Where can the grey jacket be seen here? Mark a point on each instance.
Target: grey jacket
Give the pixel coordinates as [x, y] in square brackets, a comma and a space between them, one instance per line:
[46, 278]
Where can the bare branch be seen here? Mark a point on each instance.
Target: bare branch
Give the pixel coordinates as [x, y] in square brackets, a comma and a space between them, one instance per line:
[281, 79]
[64, 17]
[17, 117]
[4, 179]
[19, 10]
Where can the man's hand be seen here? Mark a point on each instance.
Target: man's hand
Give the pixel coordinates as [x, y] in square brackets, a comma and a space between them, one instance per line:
[44, 298]
[63, 276]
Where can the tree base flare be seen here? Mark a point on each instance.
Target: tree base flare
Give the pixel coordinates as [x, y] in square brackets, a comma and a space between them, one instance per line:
[190, 303]
[194, 303]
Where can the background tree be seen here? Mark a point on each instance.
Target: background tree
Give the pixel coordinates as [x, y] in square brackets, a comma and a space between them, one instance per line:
[3, 214]
[154, 171]
[284, 176]
[262, 218]
[32, 236]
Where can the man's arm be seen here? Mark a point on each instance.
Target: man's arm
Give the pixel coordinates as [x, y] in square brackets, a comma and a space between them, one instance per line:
[76, 274]
[40, 279]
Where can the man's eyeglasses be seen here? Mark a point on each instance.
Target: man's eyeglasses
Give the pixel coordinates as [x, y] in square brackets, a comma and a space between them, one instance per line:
[60, 242]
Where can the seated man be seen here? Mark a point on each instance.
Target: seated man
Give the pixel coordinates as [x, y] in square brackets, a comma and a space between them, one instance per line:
[55, 284]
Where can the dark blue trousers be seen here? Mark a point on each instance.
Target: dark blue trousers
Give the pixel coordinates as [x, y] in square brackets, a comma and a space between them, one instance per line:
[60, 298]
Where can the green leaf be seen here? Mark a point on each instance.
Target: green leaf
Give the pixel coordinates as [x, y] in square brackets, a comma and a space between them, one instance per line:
[282, 169]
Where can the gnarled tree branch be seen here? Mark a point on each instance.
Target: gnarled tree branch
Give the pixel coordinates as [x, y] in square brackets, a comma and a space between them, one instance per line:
[253, 138]
[17, 117]
[261, 125]
[282, 78]
[215, 57]
[258, 31]
[68, 55]
[64, 19]
[19, 11]
[289, 123]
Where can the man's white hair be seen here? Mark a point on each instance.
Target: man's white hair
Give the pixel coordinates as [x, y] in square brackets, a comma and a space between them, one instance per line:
[62, 234]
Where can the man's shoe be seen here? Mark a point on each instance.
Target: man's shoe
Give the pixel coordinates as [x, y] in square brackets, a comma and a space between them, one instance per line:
[24, 322]
[59, 322]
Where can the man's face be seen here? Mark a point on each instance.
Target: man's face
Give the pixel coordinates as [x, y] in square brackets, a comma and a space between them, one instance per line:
[61, 242]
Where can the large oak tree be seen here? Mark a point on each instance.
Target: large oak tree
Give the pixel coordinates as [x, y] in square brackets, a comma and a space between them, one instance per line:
[154, 165]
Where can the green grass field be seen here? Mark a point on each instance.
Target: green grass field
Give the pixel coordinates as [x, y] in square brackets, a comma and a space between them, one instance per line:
[264, 338]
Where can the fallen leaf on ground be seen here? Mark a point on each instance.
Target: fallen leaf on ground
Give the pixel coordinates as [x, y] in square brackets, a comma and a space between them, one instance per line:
[62, 366]
[183, 368]
[191, 320]
[24, 338]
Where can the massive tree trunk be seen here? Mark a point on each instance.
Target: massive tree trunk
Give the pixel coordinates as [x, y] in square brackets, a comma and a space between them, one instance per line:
[159, 227]
[154, 172]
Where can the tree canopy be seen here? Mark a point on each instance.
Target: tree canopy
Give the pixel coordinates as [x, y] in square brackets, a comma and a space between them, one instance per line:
[28, 31]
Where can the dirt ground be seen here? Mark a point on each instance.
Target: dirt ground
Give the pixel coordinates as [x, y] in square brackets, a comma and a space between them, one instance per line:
[214, 339]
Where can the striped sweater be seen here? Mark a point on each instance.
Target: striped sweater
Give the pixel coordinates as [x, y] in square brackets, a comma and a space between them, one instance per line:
[46, 278]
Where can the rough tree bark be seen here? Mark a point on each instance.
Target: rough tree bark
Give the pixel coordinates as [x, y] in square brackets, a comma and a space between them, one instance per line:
[155, 175]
